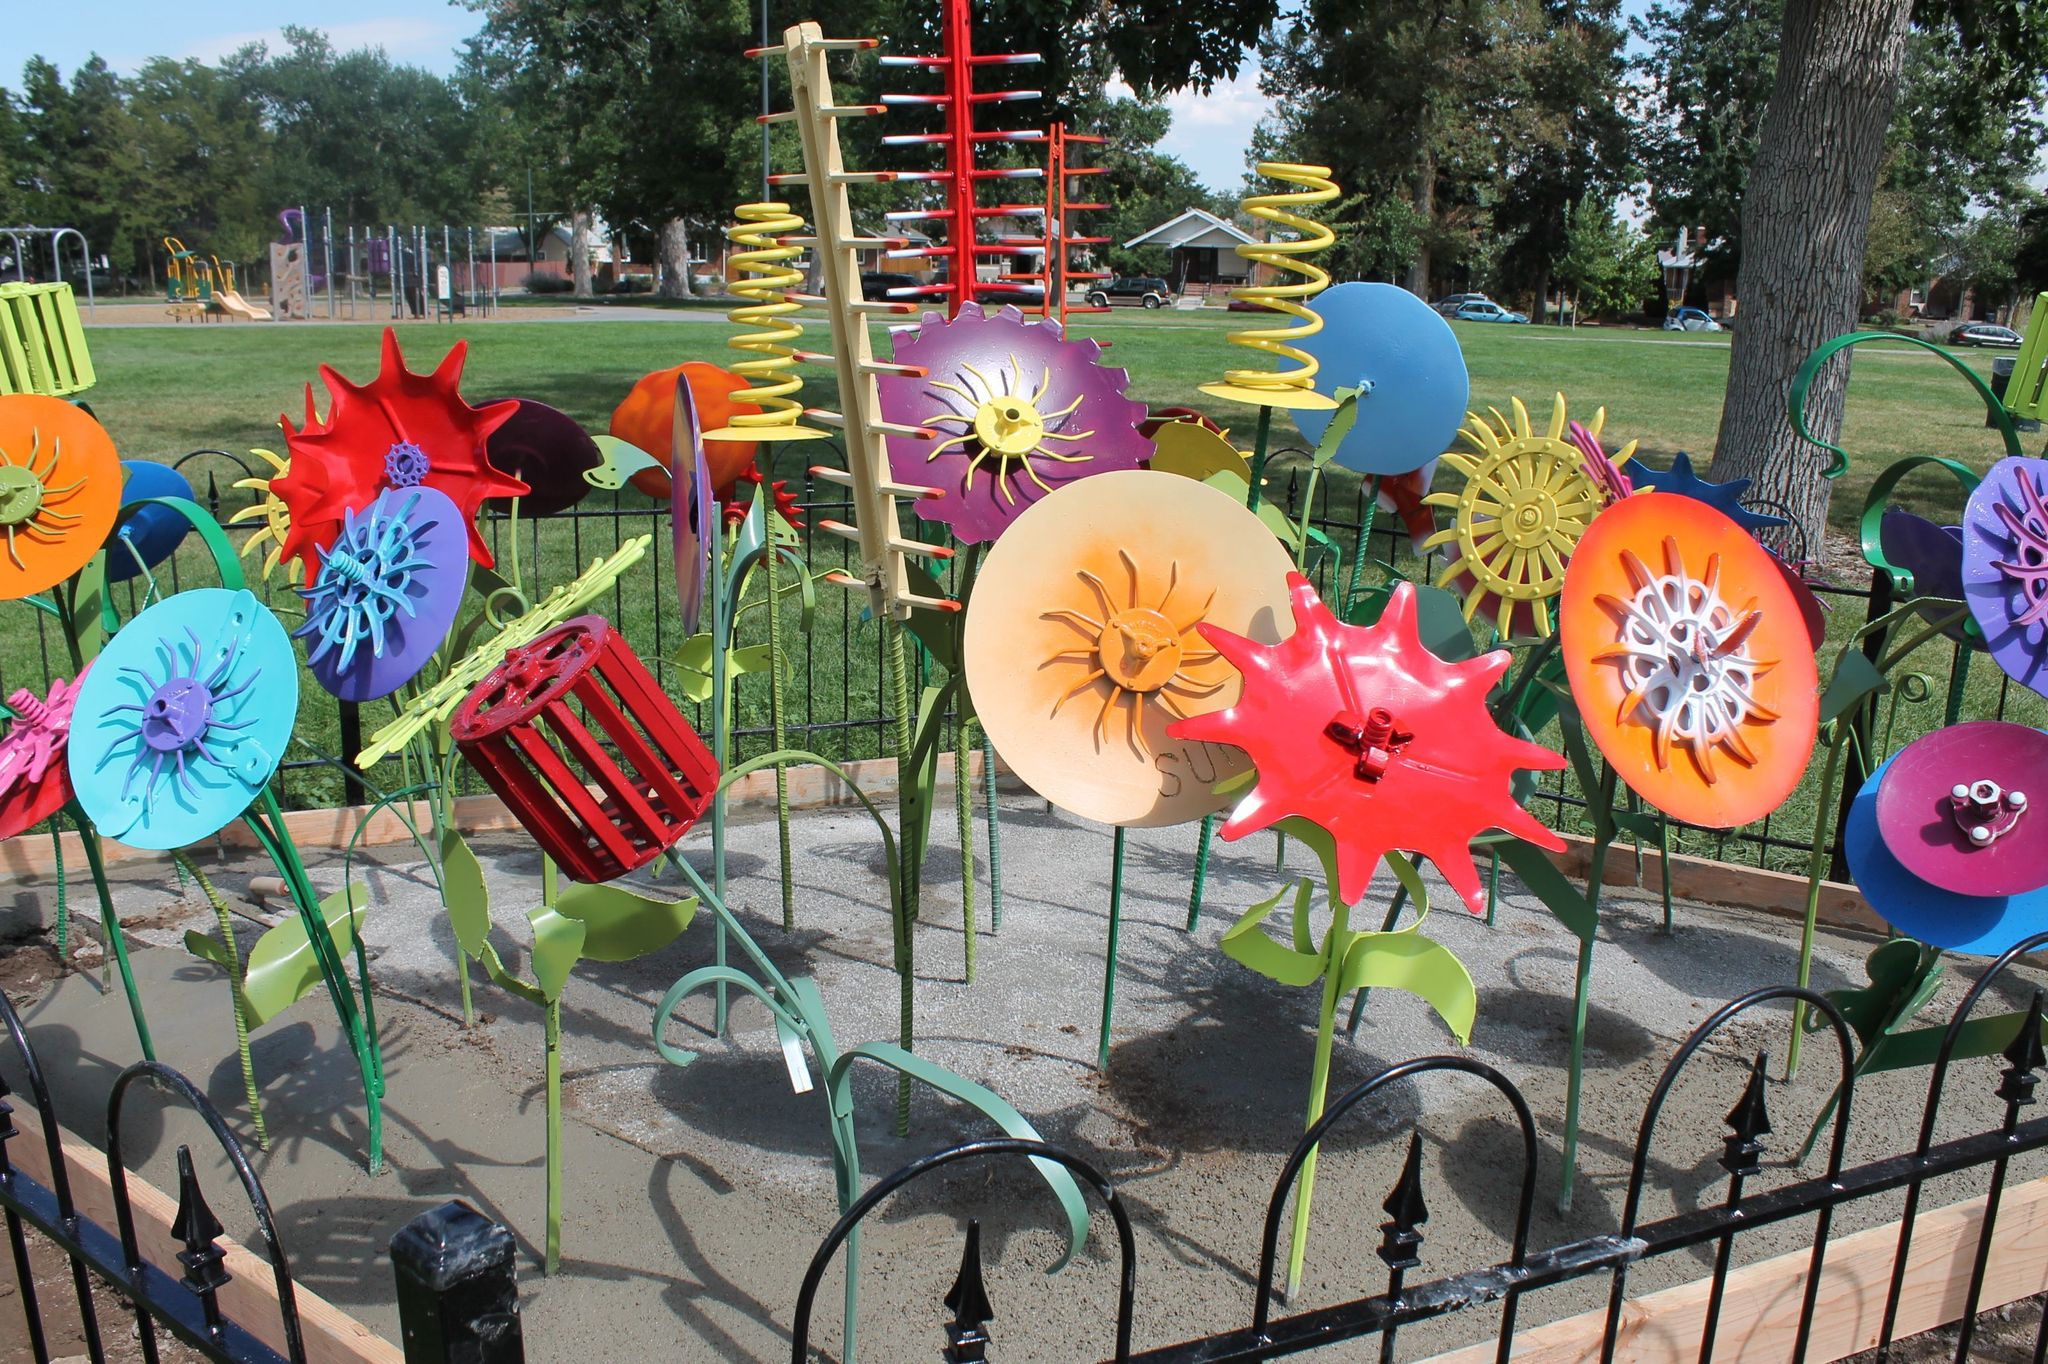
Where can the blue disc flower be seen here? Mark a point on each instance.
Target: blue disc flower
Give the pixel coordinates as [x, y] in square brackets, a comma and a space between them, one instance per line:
[387, 593]
[146, 536]
[183, 718]
[1725, 498]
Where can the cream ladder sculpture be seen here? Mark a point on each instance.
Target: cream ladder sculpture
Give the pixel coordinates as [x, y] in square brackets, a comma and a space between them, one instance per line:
[883, 547]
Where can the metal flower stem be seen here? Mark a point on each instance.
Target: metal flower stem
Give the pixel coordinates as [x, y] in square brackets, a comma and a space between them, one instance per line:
[1263, 433]
[1201, 871]
[1116, 930]
[1334, 943]
[238, 973]
[63, 901]
[1393, 917]
[896, 691]
[437, 774]
[552, 1255]
[775, 712]
[995, 834]
[963, 809]
[266, 821]
[721, 749]
[110, 924]
[1372, 506]
[1582, 988]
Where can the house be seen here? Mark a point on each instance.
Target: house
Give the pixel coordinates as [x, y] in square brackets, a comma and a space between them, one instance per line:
[1683, 282]
[1201, 249]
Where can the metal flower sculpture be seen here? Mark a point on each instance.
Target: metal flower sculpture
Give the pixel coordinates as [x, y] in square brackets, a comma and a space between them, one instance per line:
[60, 487]
[1932, 554]
[1019, 410]
[1690, 660]
[1601, 467]
[1525, 503]
[269, 538]
[146, 536]
[1362, 730]
[545, 449]
[647, 416]
[183, 718]
[1725, 498]
[400, 430]
[2005, 567]
[1945, 842]
[34, 783]
[387, 594]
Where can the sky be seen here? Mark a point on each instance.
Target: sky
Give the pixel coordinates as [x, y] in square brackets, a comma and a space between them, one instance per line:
[1210, 132]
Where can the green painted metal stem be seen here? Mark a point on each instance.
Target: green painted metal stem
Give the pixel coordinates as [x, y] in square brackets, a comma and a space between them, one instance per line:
[1372, 506]
[897, 690]
[1387, 926]
[1116, 930]
[63, 900]
[963, 808]
[721, 739]
[1664, 867]
[110, 924]
[775, 724]
[551, 1259]
[992, 816]
[1334, 944]
[1958, 683]
[1816, 868]
[1582, 989]
[1263, 433]
[236, 976]
[1201, 871]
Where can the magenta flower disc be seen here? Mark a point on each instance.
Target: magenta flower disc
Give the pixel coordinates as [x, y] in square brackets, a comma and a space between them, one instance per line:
[1955, 808]
[1016, 410]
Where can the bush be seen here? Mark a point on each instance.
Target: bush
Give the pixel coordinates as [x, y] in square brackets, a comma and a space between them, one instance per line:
[541, 282]
[632, 284]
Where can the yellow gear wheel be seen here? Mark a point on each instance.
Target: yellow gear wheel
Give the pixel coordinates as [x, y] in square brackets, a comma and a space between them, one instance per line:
[276, 519]
[1525, 503]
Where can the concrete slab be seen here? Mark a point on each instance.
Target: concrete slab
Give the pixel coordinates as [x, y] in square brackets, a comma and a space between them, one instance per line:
[697, 1195]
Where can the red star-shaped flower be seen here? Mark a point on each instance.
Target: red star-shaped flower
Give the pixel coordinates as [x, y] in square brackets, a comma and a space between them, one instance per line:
[399, 430]
[1364, 731]
[785, 501]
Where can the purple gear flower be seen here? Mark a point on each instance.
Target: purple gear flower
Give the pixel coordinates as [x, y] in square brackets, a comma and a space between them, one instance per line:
[1019, 410]
[2005, 567]
[387, 593]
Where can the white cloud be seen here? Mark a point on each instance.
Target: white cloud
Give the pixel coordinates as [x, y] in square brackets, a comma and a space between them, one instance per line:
[420, 41]
[1212, 131]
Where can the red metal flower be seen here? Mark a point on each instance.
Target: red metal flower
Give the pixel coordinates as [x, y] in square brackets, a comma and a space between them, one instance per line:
[399, 430]
[1367, 733]
[785, 501]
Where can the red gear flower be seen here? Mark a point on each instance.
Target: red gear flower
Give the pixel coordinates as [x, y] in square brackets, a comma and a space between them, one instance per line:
[1367, 733]
[785, 501]
[398, 430]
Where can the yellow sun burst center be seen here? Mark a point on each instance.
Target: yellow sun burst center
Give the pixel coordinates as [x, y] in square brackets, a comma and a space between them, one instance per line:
[1009, 426]
[1139, 649]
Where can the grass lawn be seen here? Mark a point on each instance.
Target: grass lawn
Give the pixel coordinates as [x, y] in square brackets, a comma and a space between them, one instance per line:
[168, 390]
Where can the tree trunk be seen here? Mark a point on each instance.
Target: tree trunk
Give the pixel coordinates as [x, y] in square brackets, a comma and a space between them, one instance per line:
[674, 248]
[1541, 313]
[1425, 212]
[579, 253]
[1805, 224]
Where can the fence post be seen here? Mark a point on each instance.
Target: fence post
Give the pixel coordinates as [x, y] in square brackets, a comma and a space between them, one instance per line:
[458, 1298]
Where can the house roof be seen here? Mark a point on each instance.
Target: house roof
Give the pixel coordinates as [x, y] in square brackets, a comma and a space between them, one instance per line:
[1195, 227]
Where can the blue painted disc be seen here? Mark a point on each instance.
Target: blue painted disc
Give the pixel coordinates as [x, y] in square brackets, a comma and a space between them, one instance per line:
[155, 532]
[1981, 925]
[1383, 336]
[183, 717]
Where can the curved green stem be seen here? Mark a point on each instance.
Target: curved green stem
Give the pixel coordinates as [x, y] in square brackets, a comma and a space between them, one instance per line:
[110, 925]
[237, 974]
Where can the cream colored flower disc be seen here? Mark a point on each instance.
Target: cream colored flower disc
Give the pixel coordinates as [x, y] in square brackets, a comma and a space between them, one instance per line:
[1083, 644]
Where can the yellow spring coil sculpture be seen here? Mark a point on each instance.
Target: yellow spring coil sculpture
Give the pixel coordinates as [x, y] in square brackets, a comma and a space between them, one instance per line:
[772, 380]
[1294, 388]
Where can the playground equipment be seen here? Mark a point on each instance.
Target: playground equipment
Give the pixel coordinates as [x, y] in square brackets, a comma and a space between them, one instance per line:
[197, 288]
[290, 284]
[56, 236]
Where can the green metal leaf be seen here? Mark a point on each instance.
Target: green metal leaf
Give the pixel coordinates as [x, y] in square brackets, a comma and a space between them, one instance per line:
[1549, 885]
[282, 966]
[464, 893]
[1319, 841]
[1903, 976]
[91, 608]
[693, 667]
[207, 948]
[1855, 678]
[991, 1106]
[622, 925]
[557, 946]
[1245, 944]
[1405, 960]
[1341, 422]
[622, 460]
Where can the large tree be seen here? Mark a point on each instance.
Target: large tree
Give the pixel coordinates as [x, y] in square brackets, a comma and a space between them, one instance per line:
[1807, 210]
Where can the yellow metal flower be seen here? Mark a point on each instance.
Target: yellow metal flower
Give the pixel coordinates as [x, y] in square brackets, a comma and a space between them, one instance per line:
[276, 519]
[435, 704]
[1525, 503]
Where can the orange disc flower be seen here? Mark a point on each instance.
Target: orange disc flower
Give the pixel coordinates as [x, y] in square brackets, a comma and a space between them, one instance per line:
[399, 430]
[1690, 660]
[647, 415]
[1363, 730]
[60, 488]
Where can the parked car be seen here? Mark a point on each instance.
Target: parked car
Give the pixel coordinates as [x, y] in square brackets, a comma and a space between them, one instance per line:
[1023, 295]
[1147, 290]
[876, 284]
[1984, 334]
[1486, 311]
[1450, 304]
[1689, 320]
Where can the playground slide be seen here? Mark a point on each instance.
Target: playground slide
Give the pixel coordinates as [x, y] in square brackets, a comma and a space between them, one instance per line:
[233, 304]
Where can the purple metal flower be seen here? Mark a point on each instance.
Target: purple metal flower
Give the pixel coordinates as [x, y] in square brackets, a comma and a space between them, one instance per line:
[1932, 554]
[1019, 410]
[692, 508]
[387, 593]
[1600, 466]
[2005, 567]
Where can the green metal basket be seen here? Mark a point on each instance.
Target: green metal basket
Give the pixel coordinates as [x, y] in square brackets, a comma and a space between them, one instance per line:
[42, 342]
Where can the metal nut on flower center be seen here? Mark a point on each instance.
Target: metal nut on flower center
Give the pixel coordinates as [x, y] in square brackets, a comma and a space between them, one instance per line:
[21, 495]
[1139, 649]
[1985, 811]
[1008, 426]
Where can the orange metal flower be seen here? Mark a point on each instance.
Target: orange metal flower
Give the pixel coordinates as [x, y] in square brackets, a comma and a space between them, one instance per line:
[60, 487]
[399, 430]
[1363, 730]
[1690, 660]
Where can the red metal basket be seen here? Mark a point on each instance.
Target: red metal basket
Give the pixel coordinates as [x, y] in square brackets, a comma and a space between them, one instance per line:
[586, 750]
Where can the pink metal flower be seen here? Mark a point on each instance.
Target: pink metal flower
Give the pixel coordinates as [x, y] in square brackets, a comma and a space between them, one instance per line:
[1018, 408]
[1601, 467]
[34, 783]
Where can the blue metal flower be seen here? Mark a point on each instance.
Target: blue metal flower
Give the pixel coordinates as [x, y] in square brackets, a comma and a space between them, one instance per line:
[1725, 498]
[146, 536]
[183, 718]
[387, 593]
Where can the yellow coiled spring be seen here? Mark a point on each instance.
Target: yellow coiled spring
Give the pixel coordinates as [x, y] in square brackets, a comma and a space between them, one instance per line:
[1287, 387]
[773, 380]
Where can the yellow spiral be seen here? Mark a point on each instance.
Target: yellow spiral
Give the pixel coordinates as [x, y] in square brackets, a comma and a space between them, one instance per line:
[1294, 387]
[772, 380]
